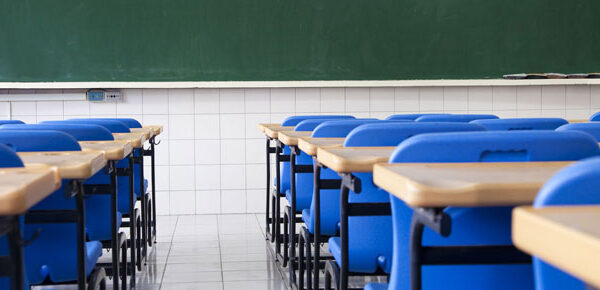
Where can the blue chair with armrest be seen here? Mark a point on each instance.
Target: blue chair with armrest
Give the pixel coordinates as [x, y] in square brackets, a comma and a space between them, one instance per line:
[4, 122]
[52, 254]
[474, 225]
[576, 184]
[592, 128]
[521, 124]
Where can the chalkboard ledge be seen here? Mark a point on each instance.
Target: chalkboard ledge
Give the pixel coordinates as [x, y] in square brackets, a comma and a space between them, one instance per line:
[297, 84]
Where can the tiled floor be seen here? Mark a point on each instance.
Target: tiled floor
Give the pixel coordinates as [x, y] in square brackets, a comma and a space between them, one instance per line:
[222, 252]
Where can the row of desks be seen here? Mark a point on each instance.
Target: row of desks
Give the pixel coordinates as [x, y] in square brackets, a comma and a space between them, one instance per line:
[564, 236]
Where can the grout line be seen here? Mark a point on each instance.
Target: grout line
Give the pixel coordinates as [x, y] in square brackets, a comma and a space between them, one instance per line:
[169, 253]
[220, 252]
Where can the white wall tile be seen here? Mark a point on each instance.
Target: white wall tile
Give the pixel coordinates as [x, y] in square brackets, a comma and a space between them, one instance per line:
[283, 100]
[208, 201]
[407, 99]
[333, 100]
[23, 108]
[26, 119]
[255, 176]
[183, 202]
[208, 151]
[208, 177]
[42, 118]
[182, 177]
[156, 101]
[233, 201]
[255, 201]
[258, 100]
[163, 205]
[231, 101]
[233, 176]
[456, 98]
[133, 100]
[431, 99]
[5, 109]
[162, 176]
[181, 126]
[207, 126]
[380, 115]
[506, 114]
[71, 108]
[233, 126]
[357, 100]
[181, 101]
[308, 100]
[553, 113]
[280, 117]
[251, 125]
[50, 108]
[529, 98]
[255, 151]
[595, 96]
[480, 98]
[553, 97]
[206, 101]
[577, 114]
[233, 151]
[504, 98]
[181, 152]
[105, 109]
[578, 97]
[381, 99]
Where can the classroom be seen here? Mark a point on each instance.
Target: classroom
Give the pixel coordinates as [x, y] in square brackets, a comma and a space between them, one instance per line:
[298, 145]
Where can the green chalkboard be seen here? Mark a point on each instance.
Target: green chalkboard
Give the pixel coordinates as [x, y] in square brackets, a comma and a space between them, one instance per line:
[248, 40]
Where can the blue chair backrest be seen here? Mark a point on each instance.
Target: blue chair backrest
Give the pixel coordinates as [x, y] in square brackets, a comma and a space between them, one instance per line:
[339, 129]
[311, 124]
[9, 158]
[592, 128]
[455, 118]
[577, 184]
[496, 146]
[408, 117]
[595, 117]
[129, 122]
[111, 125]
[4, 122]
[83, 132]
[476, 226]
[27, 141]
[294, 120]
[521, 124]
[391, 134]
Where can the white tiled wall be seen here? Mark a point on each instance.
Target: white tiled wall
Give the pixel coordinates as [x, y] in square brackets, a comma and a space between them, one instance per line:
[211, 156]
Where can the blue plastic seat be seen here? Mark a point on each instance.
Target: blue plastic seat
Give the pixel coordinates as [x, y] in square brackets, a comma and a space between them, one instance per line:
[83, 132]
[521, 124]
[476, 226]
[293, 121]
[592, 128]
[112, 125]
[595, 117]
[52, 254]
[576, 184]
[370, 238]
[129, 122]
[4, 122]
[408, 117]
[455, 118]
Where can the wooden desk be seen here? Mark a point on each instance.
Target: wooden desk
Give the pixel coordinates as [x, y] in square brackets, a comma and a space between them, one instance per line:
[23, 187]
[113, 150]
[156, 129]
[148, 133]
[69, 164]
[272, 132]
[137, 139]
[290, 138]
[567, 237]
[465, 184]
[353, 159]
[263, 126]
[310, 145]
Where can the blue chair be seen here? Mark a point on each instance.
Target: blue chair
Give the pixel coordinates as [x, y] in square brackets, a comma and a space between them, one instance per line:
[4, 122]
[475, 226]
[129, 122]
[521, 124]
[370, 237]
[52, 254]
[454, 118]
[408, 117]
[576, 184]
[86, 132]
[112, 125]
[595, 117]
[592, 128]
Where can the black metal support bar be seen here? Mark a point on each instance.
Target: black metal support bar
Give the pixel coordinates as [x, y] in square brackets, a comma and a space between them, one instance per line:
[153, 176]
[473, 255]
[132, 223]
[12, 265]
[435, 219]
[292, 215]
[123, 171]
[369, 209]
[97, 188]
[113, 223]
[144, 200]
[81, 252]
[268, 185]
[344, 192]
